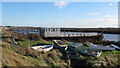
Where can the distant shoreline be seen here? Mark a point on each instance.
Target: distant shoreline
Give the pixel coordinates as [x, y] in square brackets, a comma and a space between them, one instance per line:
[99, 30]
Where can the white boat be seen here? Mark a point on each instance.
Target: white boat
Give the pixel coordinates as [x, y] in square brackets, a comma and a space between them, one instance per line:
[114, 46]
[99, 47]
[59, 43]
[42, 48]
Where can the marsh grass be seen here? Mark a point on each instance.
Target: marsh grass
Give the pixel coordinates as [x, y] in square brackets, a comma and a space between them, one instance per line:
[23, 55]
[32, 43]
[110, 52]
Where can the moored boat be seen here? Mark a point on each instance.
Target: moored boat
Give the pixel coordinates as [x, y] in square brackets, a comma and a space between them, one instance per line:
[116, 47]
[59, 43]
[79, 47]
[99, 47]
[43, 47]
[88, 51]
[72, 53]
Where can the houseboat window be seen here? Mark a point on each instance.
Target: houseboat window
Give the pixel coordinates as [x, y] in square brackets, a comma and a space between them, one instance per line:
[76, 34]
[46, 29]
[53, 29]
[72, 34]
[49, 29]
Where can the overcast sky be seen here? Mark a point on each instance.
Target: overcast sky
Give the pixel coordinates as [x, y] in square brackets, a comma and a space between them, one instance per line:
[61, 14]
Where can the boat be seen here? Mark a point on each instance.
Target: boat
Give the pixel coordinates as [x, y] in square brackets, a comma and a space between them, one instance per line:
[59, 43]
[79, 47]
[72, 53]
[116, 47]
[71, 44]
[88, 51]
[78, 44]
[99, 47]
[43, 47]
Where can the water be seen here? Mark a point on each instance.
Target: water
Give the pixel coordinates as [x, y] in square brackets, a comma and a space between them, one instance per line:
[34, 32]
[112, 37]
[30, 32]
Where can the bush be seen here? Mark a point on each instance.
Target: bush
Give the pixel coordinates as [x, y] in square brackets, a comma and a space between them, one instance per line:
[33, 37]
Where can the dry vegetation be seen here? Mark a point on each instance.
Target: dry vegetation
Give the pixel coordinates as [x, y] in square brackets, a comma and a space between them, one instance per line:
[104, 30]
[23, 55]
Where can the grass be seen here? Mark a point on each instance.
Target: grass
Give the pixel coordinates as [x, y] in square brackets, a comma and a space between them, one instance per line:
[43, 59]
[22, 56]
[1, 33]
[32, 43]
[105, 30]
[110, 52]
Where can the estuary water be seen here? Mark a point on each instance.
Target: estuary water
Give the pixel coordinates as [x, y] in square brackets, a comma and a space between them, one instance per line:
[112, 37]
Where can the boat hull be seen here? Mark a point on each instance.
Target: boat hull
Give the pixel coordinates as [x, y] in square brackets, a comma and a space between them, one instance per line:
[43, 48]
[101, 48]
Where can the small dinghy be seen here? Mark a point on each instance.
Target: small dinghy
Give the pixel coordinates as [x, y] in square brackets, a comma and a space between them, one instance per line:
[79, 47]
[59, 43]
[72, 53]
[116, 47]
[99, 47]
[42, 47]
[71, 44]
[86, 50]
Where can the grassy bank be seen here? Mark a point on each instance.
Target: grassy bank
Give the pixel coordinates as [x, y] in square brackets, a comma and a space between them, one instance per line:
[23, 55]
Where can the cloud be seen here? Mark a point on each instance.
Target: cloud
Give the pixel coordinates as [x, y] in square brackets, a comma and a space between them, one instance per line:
[94, 13]
[97, 22]
[108, 16]
[110, 4]
[60, 5]
[16, 19]
[102, 20]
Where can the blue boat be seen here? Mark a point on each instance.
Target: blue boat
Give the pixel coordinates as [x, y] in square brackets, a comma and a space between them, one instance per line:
[116, 47]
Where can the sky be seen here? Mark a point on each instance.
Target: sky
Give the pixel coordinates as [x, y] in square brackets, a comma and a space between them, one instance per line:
[60, 14]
